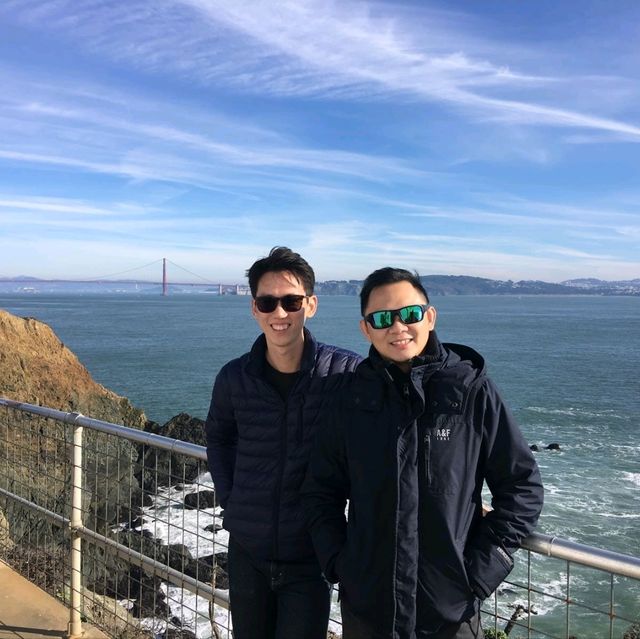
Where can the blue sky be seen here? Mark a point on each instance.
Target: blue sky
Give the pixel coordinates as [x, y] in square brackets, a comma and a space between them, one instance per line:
[491, 138]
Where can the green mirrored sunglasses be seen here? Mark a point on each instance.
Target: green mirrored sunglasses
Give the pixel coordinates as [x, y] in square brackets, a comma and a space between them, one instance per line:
[407, 314]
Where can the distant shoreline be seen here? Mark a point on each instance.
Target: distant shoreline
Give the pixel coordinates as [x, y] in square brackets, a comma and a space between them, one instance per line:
[437, 285]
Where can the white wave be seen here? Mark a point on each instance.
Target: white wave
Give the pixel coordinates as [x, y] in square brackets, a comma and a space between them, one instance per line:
[550, 489]
[618, 515]
[170, 523]
[192, 612]
[634, 478]
[573, 411]
[510, 596]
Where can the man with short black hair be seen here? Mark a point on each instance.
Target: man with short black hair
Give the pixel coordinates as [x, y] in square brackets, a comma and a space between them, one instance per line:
[409, 442]
[262, 421]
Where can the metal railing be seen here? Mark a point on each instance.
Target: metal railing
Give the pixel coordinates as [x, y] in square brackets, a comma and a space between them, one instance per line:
[146, 506]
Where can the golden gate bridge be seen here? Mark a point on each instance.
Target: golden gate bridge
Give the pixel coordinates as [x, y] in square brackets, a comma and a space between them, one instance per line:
[217, 287]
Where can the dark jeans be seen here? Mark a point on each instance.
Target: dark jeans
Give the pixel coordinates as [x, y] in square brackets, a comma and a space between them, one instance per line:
[355, 628]
[274, 600]
[470, 629]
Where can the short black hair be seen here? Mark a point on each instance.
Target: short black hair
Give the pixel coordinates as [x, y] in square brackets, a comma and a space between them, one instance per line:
[280, 259]
[388, 275]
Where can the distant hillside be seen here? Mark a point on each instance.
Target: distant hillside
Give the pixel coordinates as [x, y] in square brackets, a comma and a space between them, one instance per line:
[467, 285]
[435, 285]
[601, 287]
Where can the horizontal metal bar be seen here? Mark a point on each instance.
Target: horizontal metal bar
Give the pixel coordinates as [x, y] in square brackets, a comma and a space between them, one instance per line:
[606, 560]
[44, 411]
[132, 434]
[59, 520]
[172, 575]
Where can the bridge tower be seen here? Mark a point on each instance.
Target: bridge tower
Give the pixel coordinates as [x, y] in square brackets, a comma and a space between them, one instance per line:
[164, 276]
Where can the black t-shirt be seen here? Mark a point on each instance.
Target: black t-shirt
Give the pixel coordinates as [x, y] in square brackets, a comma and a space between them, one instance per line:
[282, 382]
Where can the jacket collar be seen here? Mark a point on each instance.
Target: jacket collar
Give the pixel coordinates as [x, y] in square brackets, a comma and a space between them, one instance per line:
[258, 354]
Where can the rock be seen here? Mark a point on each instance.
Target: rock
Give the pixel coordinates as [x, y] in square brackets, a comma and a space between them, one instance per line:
[185, 428]
[176, 555]
[222, 571]
[201, 500]
[553, 446]
[164, 468]
[534, 448]
[119, 578]
[116, 577]
[135, 523]
[149, 600]
[201, 569]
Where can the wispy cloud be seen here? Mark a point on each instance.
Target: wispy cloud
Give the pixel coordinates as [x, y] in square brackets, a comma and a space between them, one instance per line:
[348, 44]
[55, 205]
[306, 47]
[261, 154]
[141, 142]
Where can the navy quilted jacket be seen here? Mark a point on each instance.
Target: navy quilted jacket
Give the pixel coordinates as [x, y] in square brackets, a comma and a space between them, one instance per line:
[258, 446]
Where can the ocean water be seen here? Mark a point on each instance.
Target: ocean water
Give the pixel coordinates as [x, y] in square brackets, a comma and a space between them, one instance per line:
[569, 367]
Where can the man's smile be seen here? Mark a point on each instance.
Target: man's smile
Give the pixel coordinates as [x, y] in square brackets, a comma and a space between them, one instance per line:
[400, 343]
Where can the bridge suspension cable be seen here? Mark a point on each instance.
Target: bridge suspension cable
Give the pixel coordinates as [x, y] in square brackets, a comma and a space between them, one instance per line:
[204, 279]
[129, 270]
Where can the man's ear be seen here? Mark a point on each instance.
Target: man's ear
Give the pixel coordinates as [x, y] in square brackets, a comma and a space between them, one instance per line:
[431, 317]
[312, 306]
[364, 328]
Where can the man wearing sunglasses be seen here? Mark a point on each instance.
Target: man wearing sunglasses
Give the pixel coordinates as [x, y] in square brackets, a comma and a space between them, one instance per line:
[409, 442]
[264, 411]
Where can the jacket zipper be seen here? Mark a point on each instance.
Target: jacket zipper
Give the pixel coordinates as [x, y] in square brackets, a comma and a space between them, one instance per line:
[276, 501]
[299, 426]
[427, 456]
[283, 462]
[406, 395]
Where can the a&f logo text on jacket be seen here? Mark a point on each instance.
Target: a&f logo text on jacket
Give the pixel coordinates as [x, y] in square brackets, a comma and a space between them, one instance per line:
[442, 434]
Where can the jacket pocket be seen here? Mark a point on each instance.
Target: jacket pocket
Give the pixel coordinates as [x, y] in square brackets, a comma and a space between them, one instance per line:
[444, 444]
[487, 566]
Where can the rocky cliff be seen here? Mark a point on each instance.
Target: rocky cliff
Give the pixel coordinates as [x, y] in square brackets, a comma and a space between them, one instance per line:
[37, 368]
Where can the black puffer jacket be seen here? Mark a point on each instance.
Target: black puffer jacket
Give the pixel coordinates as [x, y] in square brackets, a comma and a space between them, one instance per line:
[410, 453]
[258, 446]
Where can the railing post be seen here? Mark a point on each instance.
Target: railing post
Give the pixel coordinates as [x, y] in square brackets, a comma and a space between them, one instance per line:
[75, 622]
